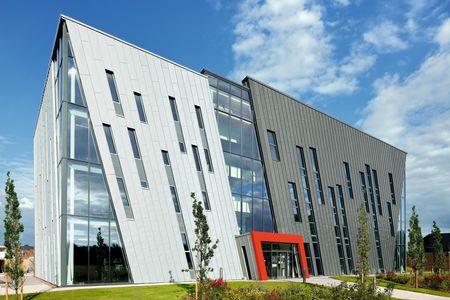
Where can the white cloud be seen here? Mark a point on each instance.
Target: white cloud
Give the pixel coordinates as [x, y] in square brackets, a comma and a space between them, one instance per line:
[413, 113]
[4, 140]
[443, 34]
[26, 203]
[285, 43]
[385, 37]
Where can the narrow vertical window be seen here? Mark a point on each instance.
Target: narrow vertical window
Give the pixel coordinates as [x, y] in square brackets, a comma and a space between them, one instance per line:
[391, 184]
[272, 138]
[123, 192]
[140, 107]
[198, 163]
[208, 160]
[316, 170]
[173, 108]
[198, 112]
[165, 156]
[391, 221]
[109, 138]
[337, 230]
[176, 203]
[112, 86]
[134, 143]
[294, 201]
[206, 200]
[344, 224]
[182, 147]
[187, 251]
[377, 191]
[348, 180]
[364, 191]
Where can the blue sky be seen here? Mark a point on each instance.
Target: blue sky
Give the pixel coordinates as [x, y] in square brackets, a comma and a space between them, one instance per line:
[380, 66]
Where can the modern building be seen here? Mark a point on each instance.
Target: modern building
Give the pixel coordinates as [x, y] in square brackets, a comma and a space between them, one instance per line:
[125, 136]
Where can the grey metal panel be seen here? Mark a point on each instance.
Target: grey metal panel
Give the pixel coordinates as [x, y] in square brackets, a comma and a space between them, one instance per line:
[297, 124]
[245, 240]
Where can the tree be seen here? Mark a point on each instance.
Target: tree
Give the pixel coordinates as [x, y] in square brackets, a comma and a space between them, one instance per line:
[363, 245]
[416, 251]
[204, 247]
[13, 229]
[438, 251]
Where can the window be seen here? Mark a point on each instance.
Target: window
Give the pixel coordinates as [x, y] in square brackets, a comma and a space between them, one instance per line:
[165, 156]
[344, 224]
[140, 107]
[187, 251]
[176, 203]
[377, 191]
[206, 200]
[109, 138]
[273, 145]
[348, 180]
[316, 171]
[337, 230]
[173, 107]
[198, 163]
[208, 160]
[112, 86]
[123, 192]
[364, 191]
[182, 147]
[391, 221]
[198, 112]
[134, 143]
[294, 201]
[391, 184]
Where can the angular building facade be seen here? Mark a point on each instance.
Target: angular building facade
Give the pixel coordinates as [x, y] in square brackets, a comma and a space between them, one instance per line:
[125, 136]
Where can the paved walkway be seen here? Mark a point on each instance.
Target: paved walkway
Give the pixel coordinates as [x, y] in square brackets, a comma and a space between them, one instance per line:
[35, 285]
[32, 285]
[400, 294]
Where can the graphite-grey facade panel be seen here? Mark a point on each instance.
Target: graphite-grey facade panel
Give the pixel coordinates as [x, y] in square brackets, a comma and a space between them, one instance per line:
[296, 124]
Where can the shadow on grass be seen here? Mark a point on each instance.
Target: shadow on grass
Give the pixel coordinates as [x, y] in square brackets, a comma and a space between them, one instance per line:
[31, 296]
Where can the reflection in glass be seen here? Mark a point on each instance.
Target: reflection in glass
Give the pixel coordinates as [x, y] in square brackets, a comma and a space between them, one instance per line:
[77, 250]
[117, 262]
[73, 84]
[77, 189]
[235, 135]
[98, 250]
[98, 195]
[123, 192]
[80, 141]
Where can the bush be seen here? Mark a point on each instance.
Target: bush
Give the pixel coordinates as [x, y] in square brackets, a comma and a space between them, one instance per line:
[436, 282]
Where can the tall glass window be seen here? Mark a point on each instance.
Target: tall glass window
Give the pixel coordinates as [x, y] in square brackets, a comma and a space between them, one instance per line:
[309, 209]
[80, 144]
[242, 156]
[175, 201]
[206, 200]
[391, 185]
[198, 113]
[377, 191]
[208, 160]
[273, 145]
[364, 191]
[344, 224]
[391, 221]
[348, 180]
[316, 171]
[140, 107]
[134, 143]
[187, 251]
[337, 230]
[198, 163]
[294, 201]
[112, 86]
[123, 192]
[109, 138]
[73, 80]
[165, 156]
[173, 108]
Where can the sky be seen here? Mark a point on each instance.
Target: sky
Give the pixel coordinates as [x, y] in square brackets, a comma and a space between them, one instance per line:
[381, 66]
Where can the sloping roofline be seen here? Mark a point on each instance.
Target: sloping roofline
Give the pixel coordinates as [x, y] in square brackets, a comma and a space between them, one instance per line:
[247, 78]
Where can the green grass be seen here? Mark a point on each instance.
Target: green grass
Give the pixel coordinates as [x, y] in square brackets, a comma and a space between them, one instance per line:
[157, 292]
[398, 286]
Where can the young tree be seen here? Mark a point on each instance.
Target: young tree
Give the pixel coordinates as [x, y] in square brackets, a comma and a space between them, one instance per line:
[438, 251]
[204, 247]
[416, 251]
[13, 229]
[363, 245]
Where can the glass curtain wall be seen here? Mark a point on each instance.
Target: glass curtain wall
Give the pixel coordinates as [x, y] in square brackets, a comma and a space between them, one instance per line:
[244, 164]
[92, 251]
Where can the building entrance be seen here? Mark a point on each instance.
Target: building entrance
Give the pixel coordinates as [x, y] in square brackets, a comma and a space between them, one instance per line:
[281, 260]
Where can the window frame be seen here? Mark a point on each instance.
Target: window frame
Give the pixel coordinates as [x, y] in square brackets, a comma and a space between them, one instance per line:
[198, 113]
[274, 145]
[114, 82]
[295, 202]
[135, 149]
[140, 104]
[174, 109]
[197, 160]
[166, 157]
[109, 138]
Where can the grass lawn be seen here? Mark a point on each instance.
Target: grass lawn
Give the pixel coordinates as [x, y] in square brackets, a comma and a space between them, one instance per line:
[157, 292]
[398, 286]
